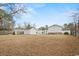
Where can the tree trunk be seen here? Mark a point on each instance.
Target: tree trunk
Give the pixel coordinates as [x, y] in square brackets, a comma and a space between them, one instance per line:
[0, 23]
[75, 29]
[78, 27]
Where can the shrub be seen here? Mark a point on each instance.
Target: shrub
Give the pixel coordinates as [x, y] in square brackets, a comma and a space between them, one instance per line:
[13, 33]
[66, 33]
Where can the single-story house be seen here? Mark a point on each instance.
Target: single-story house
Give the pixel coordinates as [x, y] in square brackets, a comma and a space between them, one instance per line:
[30, 31]
[25, 31]
[57, 29]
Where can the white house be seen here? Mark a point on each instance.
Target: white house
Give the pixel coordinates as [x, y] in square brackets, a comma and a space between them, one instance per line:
[18, 31]
[56, 29]
[25, 31]
[30, 31]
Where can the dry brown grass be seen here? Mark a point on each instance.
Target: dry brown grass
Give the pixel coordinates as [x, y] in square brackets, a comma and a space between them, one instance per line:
[33, 45]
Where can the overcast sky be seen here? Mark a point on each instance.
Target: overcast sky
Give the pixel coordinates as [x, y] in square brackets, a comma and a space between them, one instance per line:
[47, 14]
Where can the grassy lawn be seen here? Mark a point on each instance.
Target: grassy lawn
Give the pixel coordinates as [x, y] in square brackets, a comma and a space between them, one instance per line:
[33, 45]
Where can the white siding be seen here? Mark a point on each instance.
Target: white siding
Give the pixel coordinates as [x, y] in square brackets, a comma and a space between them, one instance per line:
[33, 31]
[57, 29]
[18, 31]
[54, 29]
[30, 31]
[26, 31]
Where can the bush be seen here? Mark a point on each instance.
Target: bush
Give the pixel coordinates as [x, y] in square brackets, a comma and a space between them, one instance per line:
[13, 33]
[66, 33]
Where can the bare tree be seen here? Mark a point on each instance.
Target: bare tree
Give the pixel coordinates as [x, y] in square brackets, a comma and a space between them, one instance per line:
[29, 25]
[71, 28]
[75, 17]
[14, 8]
[46, 28]
[4, 17]
[11, 10]
[65, 26]
[19, 26]
[78, 25]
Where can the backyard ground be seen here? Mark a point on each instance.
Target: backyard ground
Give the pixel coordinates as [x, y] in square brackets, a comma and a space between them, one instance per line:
[38, 45]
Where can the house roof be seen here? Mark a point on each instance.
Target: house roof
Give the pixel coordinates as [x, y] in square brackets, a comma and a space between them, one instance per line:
[24, 29]
[55, 25]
